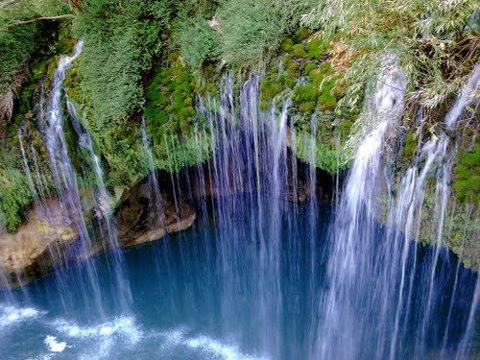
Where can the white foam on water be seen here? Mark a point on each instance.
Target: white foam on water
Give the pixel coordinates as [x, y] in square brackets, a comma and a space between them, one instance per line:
[43, 357]
[124, 327]
[54, 345]
[10, 315]
[207, 345]
[98, 341]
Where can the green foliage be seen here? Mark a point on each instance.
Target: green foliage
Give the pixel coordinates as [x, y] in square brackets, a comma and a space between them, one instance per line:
[307, 59]
[15, 193]
[327, 155]
[177, 135]
[113, 58]
[121, 38]
[467, 176]
[169, 98]
[304, 73]
[249, 29]
[19, 42]
[198, 42]
[427, 35]
[14, 196]
[16, 48]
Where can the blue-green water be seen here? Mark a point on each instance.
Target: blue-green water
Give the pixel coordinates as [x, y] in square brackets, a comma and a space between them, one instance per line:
[182, 308]
[195, 297]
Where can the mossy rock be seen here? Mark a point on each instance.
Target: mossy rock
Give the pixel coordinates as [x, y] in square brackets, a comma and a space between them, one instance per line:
[467, 176]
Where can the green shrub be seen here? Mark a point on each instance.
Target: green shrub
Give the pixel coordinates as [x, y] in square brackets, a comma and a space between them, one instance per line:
[15, 193]
[198, 42]
[250, 28]
[121, 38]
[19, 42]
[16, 48]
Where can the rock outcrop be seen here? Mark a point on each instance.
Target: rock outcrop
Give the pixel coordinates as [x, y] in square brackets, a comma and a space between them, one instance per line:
[140, 220]
[37, 246]
[47, 239]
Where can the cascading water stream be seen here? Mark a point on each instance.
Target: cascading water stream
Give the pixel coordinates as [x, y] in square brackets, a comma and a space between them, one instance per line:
[104, 212]
[26, 167]
[65, 178]
[348, 306]
[154, 185]
[360, 279]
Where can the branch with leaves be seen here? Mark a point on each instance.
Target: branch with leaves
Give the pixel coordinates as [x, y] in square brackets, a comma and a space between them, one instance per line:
[41, 18]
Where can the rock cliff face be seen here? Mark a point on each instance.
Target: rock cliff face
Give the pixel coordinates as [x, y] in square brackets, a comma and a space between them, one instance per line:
[45, 240]
[138, 219]
[39, 244]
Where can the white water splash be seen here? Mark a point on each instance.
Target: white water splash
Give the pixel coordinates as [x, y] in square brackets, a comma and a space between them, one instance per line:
[54, 345]
[124, 327]
[10, 315]
[98, 341]
[206, 344]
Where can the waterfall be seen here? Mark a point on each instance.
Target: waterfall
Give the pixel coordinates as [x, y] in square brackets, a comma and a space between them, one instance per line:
[249, 175]
[104, 211]
[73, 207]
[348, 308]
[270, 270]
[152, 178]
[367, 274]
[65, 178]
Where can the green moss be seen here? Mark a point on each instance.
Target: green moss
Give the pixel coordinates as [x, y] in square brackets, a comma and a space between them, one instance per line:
[317, 47]
[270, 88]
[207, 81]
[286, 45]
[169, 97]
[307, 106]
[305, 92]
[410, 146]
[292, 67]
[309, 68]
[467, 176]
[302, 34]
[172, 120]
[299, 51]
[318, 90]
